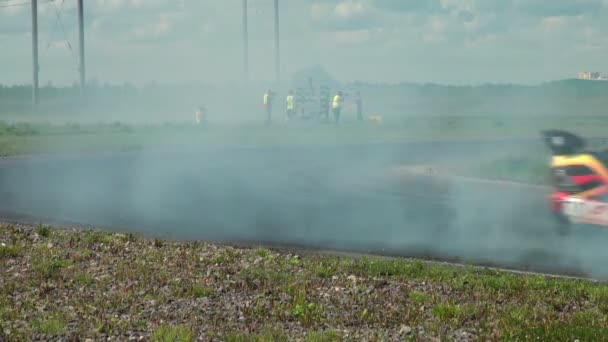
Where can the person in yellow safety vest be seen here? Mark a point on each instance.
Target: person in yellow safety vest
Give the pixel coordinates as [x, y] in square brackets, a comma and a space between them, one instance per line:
[289, 101]
[268, 105]
[336, 105]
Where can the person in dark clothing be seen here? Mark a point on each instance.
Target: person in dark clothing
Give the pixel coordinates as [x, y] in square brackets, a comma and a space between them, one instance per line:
[359, 106]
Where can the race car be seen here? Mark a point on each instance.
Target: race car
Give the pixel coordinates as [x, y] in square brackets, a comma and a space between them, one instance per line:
[580, 182]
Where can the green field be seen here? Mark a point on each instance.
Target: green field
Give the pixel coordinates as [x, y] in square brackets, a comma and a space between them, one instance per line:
[28, 138]
[92, 284]
[529, 166]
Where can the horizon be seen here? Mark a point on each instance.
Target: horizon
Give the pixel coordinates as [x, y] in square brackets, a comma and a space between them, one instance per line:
[100, 83]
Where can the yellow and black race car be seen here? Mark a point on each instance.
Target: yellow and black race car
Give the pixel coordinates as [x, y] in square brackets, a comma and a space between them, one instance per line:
[579, 180]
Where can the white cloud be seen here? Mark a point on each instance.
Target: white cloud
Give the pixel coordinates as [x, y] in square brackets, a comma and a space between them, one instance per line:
[349, 9]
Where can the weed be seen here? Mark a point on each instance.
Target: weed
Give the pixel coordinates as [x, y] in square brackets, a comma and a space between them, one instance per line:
[324, 269]
[323, 336]
[262, 252]
[95, 237]
[307, 313]
[446, 312]
[389, 267]
[261, 277]
[177, 333]
[560, 332]
[83, 279]
[10, 251]
[419, 297]
[201, 291]
[53, 325]
[503, 283]
[43, 231]
[158, 243]
[82, 254]
[294, 261]
[48, 268]
[517, 316]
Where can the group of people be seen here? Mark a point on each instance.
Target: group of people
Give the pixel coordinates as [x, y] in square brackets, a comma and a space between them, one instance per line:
[336, 105]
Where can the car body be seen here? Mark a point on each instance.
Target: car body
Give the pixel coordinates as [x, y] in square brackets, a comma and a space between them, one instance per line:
[579, 180]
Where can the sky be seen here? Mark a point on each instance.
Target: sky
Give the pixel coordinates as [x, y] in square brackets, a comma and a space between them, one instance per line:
[438, 41]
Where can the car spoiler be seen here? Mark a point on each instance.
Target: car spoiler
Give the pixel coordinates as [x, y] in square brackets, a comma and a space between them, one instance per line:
[562, 142]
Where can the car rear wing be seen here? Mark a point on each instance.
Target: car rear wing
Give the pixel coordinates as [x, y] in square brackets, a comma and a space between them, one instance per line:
[562, 142]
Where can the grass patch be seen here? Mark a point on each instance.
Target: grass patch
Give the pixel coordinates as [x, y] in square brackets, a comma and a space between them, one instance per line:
[199, 291]
[83, 279]
[54, 324]
[49, 267]
[10, 251]
[43, 231]
[323, 336]
[387, 267]
[259, 295]
[92, 237]
[419, 297]
[262, 252]
[176, 333]
[27, 138]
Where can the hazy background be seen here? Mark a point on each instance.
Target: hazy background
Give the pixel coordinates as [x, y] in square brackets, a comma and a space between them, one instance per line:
[441, 41]
[153, 60]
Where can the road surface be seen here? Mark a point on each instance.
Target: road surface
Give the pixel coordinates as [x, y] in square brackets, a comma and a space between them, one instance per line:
[335, 198]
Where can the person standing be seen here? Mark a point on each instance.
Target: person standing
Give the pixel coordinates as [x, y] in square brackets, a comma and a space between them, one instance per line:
[336, 105]
[289, 102]
[268, 105]
[359, 106]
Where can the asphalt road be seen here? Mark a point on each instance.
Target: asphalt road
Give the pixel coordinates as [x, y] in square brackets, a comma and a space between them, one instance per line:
[334, 198]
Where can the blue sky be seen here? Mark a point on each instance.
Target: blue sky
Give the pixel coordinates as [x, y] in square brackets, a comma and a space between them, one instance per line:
[443, 41]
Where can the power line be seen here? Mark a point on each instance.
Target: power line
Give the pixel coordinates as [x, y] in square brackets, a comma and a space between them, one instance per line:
[8, 4]
[59, 22]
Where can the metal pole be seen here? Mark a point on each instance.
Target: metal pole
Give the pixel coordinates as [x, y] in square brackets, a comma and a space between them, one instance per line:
[81, 67]
[35, 67]
[276, 37]
[245, 41]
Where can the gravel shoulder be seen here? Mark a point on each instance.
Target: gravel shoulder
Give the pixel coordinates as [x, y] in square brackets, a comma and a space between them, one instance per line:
[74, 284]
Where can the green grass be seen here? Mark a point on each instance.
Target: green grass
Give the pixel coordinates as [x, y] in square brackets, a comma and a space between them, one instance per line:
[29, 138]
[528, 167]
[52, 325]
[69, 285]
[10, 251]
[267, 335]
[43, 231]
[167, 333]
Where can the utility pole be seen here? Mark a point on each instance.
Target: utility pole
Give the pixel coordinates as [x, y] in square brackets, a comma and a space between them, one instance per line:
[81, 66]
[245, 41]
[35, 67]
[276, 37]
